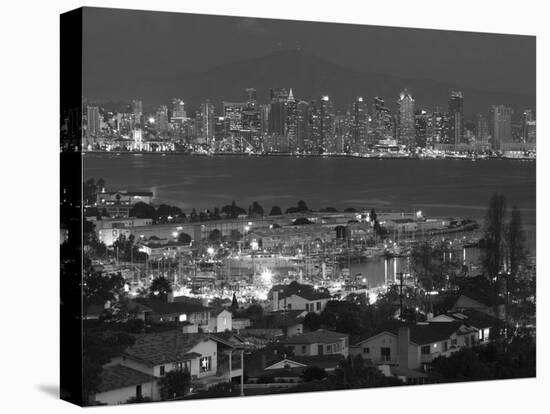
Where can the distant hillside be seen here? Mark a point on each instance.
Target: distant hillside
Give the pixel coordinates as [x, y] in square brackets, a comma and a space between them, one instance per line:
[311, 76]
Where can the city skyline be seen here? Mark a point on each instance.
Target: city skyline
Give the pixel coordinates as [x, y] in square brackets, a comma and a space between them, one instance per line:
[475, 63]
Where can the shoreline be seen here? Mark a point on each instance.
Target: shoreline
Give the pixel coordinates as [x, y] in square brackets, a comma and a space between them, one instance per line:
[289, 155]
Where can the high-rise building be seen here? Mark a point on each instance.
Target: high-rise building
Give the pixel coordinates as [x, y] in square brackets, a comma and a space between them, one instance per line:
[529, 126]
[406, 131]
[482, 129]
[178, 113]
[251, 97]
[501, 125]
[137, 111]
[382, 124]
[207, 122]
[264, 117]
[358, 125]
[421, 121]
[277, 111]
[161, 119]
[456, 117]
[234, 112]
[302, 125]
[92, 121]
[291, 121]
[323, 124]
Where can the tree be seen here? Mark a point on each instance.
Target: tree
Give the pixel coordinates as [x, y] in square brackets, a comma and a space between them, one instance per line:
[175, 384]
[372, 216]
[215, 236]
[256, 210]
[98, 289]
[312, 373]
[494, 239]
[300, 208]
[312, 321]
[143, 210]
[160, 288]
[98, 349]
[275, 211]
[301, 221]
[516, 242]
[184, 238]
[328, 210]
[350, 210]
[234, 304]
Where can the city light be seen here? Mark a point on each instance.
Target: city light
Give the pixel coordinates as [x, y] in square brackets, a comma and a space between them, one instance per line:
[210, 251]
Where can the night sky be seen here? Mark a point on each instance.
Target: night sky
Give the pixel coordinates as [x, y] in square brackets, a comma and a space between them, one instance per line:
[124, 48]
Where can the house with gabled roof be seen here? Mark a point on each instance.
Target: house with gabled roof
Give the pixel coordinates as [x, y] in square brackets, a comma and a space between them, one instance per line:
[297, 296]
[210, 359]
[119, 383]
[414, 346]
[319, 342]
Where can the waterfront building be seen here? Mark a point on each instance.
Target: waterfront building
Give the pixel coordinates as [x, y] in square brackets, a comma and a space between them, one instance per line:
[406, 130]
[482, 128]
[382, 121]
[529, 126]
[251, 97]
[421, 121]
[302, 125]
[291, 121]
[137, 111]
[277, 111]
[178, 114]
[234, 112]
[323, 124]
[456, 117]
[206, 124]
[92, 121]
[501, 125]
[161, 119]
[358, 125]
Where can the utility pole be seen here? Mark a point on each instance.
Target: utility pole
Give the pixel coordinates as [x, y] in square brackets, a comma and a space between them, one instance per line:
[400, 294]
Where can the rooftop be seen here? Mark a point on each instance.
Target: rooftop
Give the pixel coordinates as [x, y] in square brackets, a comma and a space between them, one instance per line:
[319, 336]
[166, 347]
[118, 376]
[161, 307]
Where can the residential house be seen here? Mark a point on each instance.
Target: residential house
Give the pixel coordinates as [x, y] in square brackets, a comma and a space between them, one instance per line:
[208, 358]
[159, 311]
[319, 342]
[120, 383]
[416, 345]
[296, 296]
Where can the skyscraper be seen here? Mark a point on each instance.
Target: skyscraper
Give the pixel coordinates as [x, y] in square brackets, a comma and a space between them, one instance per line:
[93, 123]
[456, 117]
[251, 99]
[302, 125]
[323, 124]
[482, 129]
[277, 112]
[137, 111]
[290, 122]
[529, 126]
[234, 112]
[382, 121]
[178, 114]
[358, 125]
[406, 131]
[208, 121]
[161, 119]
[501, 125]
[421, 120]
